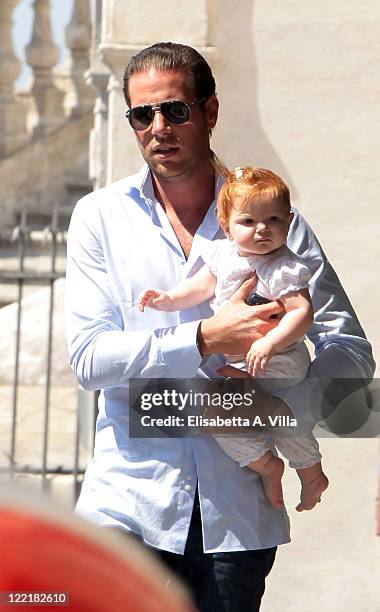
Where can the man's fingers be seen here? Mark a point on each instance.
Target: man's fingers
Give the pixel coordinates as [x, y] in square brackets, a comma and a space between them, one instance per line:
[265, 311]
[245, 289]
[233, 372]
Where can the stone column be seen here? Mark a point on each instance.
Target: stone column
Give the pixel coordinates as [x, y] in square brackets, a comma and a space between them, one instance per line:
[97, 76]
[79, 98]
[12, 112]
[42, 54]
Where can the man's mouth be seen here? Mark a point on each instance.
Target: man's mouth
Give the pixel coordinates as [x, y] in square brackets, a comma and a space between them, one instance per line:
[164, 151]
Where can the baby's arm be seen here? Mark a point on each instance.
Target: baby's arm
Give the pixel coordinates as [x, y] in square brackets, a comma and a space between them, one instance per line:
[187, 293]
[293, 325]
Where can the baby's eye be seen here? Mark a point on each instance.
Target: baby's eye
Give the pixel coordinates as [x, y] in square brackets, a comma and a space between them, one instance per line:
[273, 219]
[248, 221]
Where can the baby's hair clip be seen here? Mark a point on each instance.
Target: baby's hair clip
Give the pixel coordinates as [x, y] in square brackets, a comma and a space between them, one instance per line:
[239, 173]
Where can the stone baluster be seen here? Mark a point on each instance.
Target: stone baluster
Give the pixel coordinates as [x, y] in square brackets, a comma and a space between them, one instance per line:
[12, 113]
[42, 54]
[79, 98]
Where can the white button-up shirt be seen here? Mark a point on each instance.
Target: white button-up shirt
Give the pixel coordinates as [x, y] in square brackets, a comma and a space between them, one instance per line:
[120, 243]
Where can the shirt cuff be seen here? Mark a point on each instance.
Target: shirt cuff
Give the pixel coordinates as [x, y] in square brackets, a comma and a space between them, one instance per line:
[179, 350]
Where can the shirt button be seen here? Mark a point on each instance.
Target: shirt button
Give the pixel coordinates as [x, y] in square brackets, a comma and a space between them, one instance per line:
[189, 477]
[187, 488]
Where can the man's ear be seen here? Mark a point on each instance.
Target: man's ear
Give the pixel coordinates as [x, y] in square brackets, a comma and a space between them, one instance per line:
[212, 108]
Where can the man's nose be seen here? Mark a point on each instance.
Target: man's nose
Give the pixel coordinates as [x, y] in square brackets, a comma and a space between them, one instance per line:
[159, 123]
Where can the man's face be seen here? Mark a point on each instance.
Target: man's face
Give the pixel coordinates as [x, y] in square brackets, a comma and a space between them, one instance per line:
[173, 152]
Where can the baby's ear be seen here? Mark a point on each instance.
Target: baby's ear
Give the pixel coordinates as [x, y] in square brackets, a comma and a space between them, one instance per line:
[290, 217]
[226, 230]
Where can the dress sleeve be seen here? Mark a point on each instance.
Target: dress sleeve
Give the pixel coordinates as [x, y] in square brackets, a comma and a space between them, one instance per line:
[212, 254]
[285, 275]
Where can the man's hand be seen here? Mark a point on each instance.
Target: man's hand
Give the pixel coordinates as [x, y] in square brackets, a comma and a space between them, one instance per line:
[236, 326]
[259, 354]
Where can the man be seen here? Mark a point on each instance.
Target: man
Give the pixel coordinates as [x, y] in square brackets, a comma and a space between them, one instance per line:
[150, 230]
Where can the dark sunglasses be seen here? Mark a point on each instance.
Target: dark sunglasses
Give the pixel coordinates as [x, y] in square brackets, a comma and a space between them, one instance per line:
[174, 111]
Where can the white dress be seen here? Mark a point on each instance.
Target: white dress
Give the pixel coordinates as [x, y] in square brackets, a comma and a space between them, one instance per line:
[278, 273]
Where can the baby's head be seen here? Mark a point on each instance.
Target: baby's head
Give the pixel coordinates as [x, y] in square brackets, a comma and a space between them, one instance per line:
[254, 210]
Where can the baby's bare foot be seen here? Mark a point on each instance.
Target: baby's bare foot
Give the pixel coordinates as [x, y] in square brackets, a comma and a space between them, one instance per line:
[311, 492]
[271, 477]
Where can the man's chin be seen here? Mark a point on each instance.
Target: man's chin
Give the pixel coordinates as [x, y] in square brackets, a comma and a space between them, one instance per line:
[166, 171]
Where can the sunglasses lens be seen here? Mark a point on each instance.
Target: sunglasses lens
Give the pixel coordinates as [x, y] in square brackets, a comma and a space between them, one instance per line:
[176, 111]
[140, 117]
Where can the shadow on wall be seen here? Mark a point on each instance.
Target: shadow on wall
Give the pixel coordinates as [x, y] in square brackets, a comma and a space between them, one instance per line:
[241, 138]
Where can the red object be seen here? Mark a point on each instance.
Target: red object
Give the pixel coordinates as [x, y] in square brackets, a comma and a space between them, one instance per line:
[42, 555]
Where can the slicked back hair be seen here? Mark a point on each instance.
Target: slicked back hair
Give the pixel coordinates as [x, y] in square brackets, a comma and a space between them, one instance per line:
[173, 56]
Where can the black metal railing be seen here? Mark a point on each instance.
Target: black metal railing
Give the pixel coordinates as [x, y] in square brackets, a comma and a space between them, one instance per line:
[50, 241]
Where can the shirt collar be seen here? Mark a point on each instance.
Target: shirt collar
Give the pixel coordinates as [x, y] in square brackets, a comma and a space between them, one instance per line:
[142, 183]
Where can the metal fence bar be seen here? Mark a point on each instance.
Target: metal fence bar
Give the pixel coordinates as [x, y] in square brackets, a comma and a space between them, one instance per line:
[20, 234]
[21, 277]
[76, 470]
[29, 277]
[53, 255]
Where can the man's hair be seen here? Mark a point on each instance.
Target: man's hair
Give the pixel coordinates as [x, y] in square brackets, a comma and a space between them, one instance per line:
[245, 185]
[173, 56]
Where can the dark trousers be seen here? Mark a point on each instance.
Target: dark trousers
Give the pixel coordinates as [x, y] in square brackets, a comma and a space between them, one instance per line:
[220, 582]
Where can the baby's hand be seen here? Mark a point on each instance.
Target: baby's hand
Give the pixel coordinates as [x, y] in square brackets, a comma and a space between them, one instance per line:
[154, 298]
[258, 355]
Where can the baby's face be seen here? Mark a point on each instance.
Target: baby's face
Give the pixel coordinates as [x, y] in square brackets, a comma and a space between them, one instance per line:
[259, 228]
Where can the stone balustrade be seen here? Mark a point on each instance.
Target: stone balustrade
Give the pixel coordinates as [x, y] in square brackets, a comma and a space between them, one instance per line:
[54, 97]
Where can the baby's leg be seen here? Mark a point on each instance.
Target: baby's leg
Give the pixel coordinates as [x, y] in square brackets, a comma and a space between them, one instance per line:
[271, 469]
[304, 456]
[313, 482]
